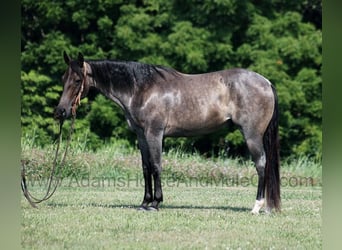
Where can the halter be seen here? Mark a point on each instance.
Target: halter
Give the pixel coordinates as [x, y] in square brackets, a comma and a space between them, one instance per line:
[78, 97]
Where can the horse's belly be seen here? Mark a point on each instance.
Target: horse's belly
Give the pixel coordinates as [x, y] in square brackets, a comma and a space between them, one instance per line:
[196, 124]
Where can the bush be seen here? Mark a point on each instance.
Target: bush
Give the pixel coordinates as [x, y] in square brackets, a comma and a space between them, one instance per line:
[282, 41]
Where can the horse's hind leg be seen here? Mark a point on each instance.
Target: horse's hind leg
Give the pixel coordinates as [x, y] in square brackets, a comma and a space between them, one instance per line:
[256, 148]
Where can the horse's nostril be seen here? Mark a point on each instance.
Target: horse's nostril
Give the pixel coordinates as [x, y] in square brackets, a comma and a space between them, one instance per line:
[60, 113]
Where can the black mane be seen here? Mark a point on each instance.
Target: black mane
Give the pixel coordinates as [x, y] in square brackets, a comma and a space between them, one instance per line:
[124, 74]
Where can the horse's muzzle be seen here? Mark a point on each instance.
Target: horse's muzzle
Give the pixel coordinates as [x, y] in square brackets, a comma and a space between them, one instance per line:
[60, 114]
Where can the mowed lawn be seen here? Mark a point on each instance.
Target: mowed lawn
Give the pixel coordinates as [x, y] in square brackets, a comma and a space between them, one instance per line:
[90, 216]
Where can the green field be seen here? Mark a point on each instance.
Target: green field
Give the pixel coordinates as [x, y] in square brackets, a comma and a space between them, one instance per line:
[207, 205]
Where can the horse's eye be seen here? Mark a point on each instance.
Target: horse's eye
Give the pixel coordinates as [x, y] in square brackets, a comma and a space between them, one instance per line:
[78, 81]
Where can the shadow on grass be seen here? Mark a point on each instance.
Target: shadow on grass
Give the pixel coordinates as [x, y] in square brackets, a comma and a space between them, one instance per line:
[162, 206]
[234, 209]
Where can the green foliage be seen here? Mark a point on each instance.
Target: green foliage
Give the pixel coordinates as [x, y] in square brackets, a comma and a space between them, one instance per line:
[280, 39]
[36, 107]
[288, 52]
[106, 119]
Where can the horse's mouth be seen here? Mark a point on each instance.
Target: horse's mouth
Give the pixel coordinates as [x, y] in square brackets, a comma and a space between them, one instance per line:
[60, 114]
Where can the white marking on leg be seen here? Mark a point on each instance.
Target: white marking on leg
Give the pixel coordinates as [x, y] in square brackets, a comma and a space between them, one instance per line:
[257, 206]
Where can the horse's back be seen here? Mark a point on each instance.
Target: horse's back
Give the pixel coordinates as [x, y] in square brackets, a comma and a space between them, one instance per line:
[186, 105]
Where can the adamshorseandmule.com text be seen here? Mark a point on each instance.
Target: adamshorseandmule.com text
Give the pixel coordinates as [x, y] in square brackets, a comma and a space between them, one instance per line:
[136, 180]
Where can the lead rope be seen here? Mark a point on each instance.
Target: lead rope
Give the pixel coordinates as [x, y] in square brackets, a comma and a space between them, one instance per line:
[50, 191]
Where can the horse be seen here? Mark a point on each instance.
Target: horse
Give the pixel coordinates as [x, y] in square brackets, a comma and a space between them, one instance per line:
[161, 102]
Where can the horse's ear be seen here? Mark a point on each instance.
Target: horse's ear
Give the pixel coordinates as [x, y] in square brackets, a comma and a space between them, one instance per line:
[80, 59]
[66, 58]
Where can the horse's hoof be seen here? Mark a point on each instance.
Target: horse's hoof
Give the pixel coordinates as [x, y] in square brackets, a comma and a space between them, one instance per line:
[152, 209]
[255, 212]
[257, 206]
[142, 208]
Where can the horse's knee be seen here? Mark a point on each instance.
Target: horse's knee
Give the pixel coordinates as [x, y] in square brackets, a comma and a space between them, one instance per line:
[260, 163]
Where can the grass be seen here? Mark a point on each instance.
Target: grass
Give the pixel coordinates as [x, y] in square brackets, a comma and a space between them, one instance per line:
[190, 218]
[207, 204]
[117, 161]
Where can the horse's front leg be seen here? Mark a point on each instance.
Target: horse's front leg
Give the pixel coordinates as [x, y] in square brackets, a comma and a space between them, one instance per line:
[147, 172]
[154, 140]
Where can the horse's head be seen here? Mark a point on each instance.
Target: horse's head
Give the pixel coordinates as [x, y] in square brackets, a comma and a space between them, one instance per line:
[76, 86]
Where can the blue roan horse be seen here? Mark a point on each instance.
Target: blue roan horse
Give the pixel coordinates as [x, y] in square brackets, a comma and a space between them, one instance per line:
[160, 102]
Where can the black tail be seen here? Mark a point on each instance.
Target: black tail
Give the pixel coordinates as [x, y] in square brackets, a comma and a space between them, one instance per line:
[271, 146]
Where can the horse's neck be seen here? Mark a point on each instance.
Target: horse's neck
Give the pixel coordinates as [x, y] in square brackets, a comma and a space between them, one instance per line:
[119, 96]
[120, 99]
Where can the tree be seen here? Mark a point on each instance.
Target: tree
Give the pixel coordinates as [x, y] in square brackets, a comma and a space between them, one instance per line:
[280, 39]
